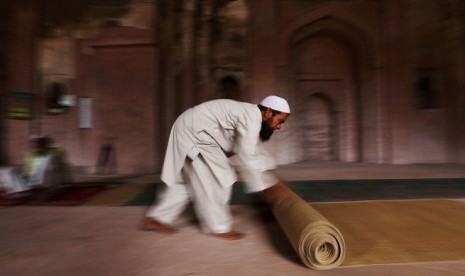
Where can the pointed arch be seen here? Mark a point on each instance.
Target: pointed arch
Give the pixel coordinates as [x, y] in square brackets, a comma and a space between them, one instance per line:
[352, 87]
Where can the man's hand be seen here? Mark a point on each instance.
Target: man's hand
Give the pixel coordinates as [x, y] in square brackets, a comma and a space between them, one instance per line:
[278, 194]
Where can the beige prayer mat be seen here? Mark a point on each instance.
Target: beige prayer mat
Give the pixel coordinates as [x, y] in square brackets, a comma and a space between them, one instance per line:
[318, 242]
[398, 231]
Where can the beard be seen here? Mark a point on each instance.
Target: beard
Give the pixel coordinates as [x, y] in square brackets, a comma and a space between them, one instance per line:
[266, 132]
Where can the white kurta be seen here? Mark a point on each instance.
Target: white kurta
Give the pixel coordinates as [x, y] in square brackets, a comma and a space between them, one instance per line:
[42, 172]
[214, 129]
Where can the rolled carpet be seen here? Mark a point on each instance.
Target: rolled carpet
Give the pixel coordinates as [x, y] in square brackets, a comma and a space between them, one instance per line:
[317, 241]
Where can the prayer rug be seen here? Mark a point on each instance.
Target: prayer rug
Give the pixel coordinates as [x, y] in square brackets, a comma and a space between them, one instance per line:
[355, 233]
[143, 193]
[121, 195]
[333, 190]
[365, 189]
[74, 195]
[398, 231]
[317, 242]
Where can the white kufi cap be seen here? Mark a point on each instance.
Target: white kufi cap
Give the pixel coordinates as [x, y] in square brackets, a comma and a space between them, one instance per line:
[276, 103]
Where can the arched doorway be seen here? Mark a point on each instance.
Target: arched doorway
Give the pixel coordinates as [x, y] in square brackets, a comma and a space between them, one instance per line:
[325, 65]
[334, 58]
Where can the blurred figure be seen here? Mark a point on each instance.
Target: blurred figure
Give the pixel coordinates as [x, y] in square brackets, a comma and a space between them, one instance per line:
[106, 158]
[13, 184]
[44, 165]
[43, 171]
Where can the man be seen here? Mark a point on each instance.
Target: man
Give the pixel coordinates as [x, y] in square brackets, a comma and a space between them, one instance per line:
[43, 171]
[44, 165]
[197, 168]
[16, 185]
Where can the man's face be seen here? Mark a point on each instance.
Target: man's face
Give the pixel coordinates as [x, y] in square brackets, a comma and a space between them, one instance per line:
[270, 123]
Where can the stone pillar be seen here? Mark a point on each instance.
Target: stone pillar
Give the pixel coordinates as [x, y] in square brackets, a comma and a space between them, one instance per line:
[167, 97]
[22, 75]
[202, 51]
[5, 34]
[456, 100]
[399, 100]
[185, 66]
[262, 66]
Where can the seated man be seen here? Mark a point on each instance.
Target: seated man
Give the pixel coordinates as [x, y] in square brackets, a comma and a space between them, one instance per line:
[44, 169]
[44, 165]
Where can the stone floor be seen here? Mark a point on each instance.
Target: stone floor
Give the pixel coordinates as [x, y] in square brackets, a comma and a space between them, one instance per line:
[88, 240]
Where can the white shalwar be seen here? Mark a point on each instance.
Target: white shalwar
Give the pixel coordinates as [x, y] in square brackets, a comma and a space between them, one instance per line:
[42, 174]
[197, 167]
[11, 181]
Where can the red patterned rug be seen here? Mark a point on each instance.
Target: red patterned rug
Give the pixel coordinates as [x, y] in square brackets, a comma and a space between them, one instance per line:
[72, 195]
[75, 195]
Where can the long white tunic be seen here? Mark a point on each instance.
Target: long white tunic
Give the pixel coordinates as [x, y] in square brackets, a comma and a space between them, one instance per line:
[215, 129]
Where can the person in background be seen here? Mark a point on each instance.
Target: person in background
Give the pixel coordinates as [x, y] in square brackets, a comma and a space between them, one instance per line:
[44, 165]
[43, 171]
[106, 158]
[197, 165]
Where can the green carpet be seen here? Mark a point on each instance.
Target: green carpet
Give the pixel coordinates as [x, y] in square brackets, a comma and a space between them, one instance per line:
[143, 193]
[342, 190]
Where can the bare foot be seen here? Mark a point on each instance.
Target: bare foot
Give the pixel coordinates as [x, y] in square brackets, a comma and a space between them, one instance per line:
[151, 224]
[231, 235]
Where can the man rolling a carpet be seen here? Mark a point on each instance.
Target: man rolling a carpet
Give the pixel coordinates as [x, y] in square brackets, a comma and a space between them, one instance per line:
[197, 168]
